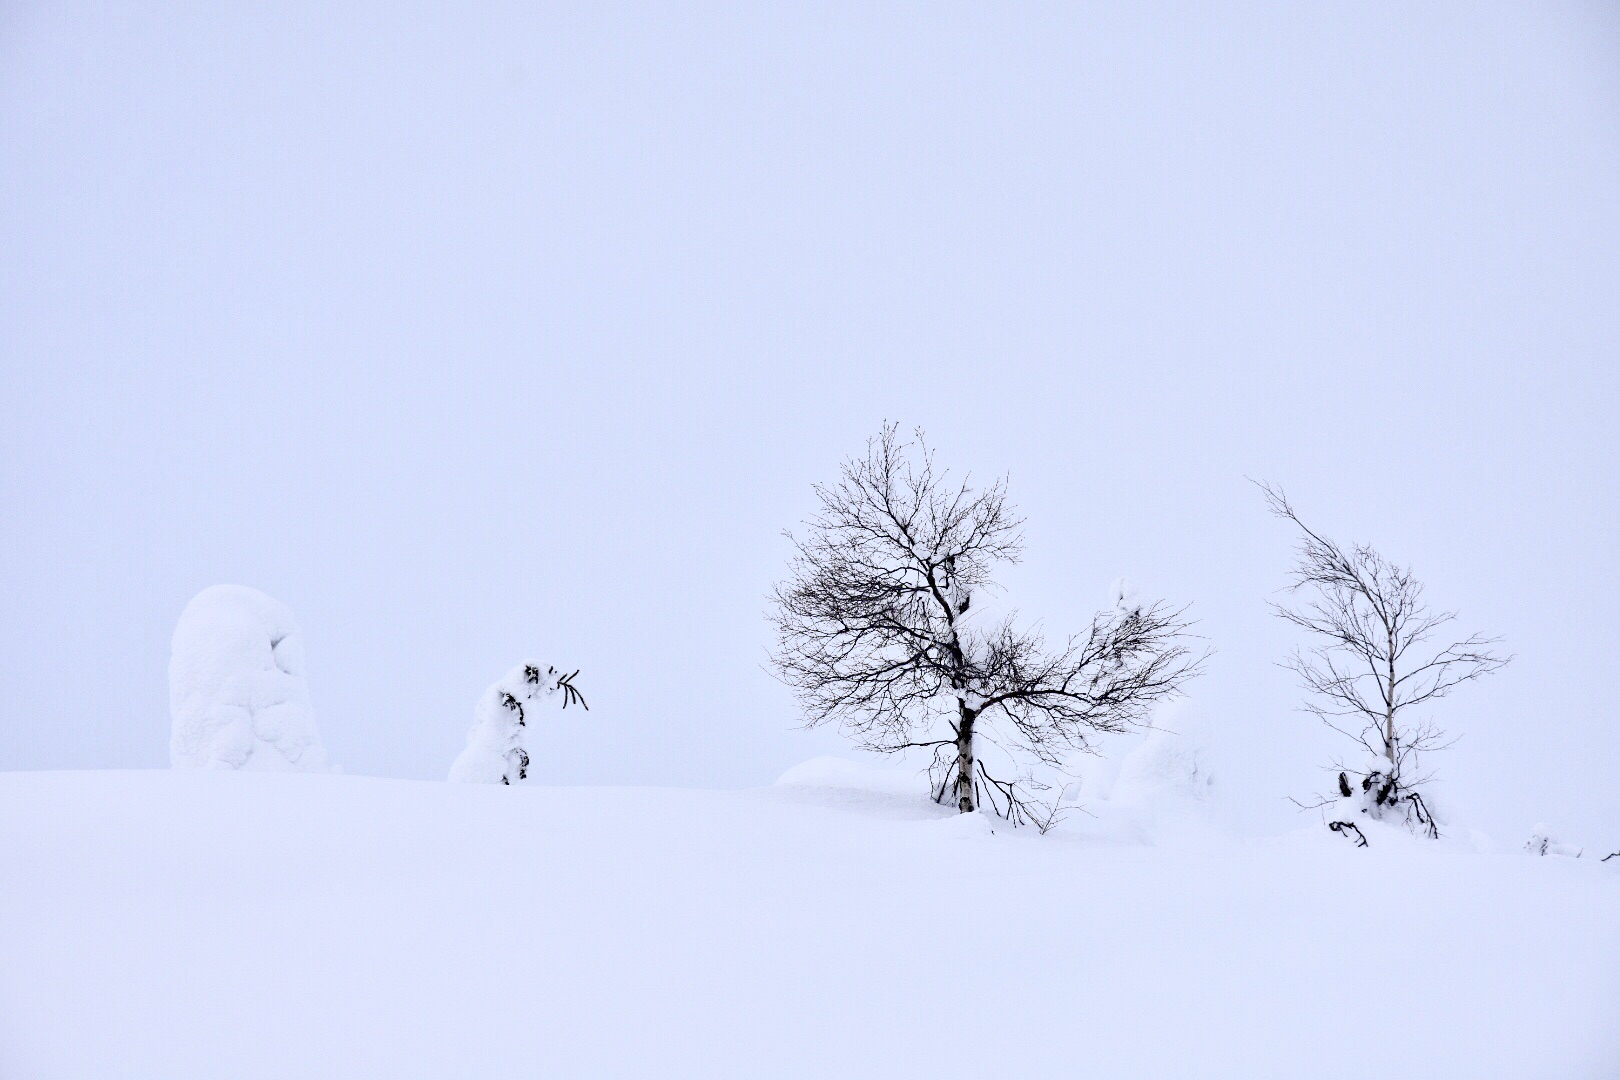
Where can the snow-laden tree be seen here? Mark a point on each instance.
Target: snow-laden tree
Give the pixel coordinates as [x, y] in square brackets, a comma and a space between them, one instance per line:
[498, 745]
[877, 632]
[1377, 656]
[237, 696]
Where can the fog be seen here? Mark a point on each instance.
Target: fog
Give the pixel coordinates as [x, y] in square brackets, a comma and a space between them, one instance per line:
[488, 332]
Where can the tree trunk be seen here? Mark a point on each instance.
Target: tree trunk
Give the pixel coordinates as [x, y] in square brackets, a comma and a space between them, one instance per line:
[1389, 710]
[964, 758]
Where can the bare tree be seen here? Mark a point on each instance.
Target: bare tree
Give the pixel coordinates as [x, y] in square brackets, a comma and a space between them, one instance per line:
[876, 632]
[1375, 660]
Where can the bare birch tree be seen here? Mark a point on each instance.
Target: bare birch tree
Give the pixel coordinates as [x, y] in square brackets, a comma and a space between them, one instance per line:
[876, 632]
[1375, 661]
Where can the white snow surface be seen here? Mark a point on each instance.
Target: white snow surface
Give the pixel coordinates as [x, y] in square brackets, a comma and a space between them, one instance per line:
[237, 696]
[192, 924]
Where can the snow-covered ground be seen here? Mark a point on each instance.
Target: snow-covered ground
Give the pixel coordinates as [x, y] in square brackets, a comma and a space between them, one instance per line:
[209, 924]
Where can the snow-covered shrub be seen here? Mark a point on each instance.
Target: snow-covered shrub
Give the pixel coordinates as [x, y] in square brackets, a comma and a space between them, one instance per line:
[1380, 789]
[236, 686]
[1543, 842]
[496, 746]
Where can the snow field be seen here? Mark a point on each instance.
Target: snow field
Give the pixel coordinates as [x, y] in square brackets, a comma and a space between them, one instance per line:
[207, 924]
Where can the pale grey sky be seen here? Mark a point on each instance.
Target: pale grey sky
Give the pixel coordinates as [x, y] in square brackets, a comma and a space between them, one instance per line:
[485, 331]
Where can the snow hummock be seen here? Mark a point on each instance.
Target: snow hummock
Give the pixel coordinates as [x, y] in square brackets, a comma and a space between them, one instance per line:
[1157, 786]
[237, 696]
[862, 786]
[1170, 765]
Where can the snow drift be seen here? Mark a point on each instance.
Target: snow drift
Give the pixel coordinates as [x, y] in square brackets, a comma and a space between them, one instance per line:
[236, 686]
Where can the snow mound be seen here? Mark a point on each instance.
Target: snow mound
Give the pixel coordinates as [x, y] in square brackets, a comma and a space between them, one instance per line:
[237, 695]
[1170, 766]
[835, 772]
[859, 785]
[1163, 790]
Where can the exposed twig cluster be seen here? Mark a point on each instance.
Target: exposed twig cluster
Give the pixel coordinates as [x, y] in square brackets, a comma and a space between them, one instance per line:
[1345, 828]
[571, 692]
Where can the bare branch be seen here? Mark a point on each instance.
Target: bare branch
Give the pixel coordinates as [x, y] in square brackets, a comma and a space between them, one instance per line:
[1345, 828]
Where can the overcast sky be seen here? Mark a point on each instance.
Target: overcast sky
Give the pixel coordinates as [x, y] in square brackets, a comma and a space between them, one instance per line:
[482, 332]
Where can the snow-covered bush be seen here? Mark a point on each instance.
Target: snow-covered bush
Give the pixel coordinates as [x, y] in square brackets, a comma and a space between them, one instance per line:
[1378, 789]
[236, 686]
[496, 746]
[1543, 842]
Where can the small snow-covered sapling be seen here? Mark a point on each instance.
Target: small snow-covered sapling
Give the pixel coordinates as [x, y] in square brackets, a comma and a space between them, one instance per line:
[498, 745]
